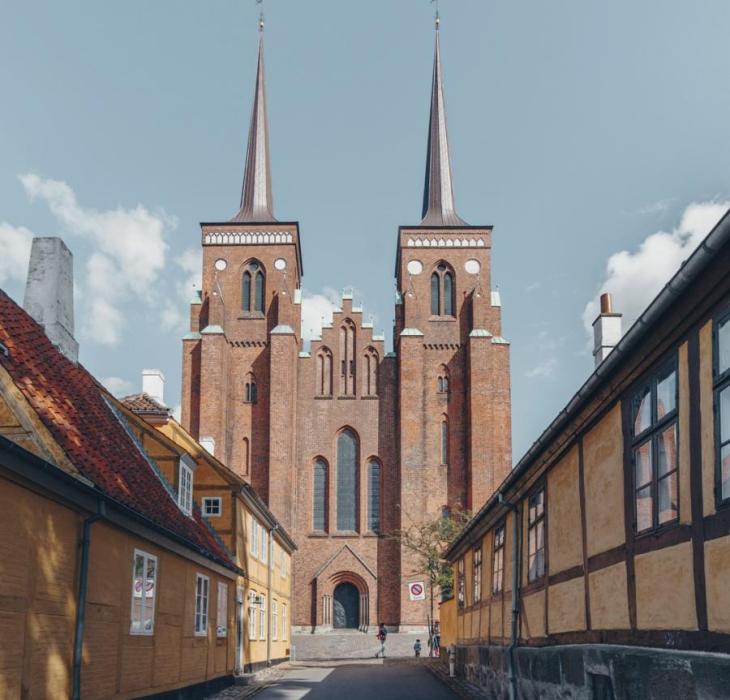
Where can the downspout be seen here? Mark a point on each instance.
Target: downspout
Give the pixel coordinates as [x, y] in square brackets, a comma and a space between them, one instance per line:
[511, 669]
[270, 568]
[81, 597]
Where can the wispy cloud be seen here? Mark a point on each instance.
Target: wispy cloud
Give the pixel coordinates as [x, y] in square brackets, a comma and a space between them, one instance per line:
[118, 386]
[635, 277]
[15, 245]
[546, 348]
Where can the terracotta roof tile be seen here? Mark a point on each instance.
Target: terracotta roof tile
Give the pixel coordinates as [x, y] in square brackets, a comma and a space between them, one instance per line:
[144, 404]
[72, 406]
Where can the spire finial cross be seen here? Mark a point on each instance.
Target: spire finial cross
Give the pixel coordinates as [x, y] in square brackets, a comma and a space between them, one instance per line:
[437, 17]
[261, 15]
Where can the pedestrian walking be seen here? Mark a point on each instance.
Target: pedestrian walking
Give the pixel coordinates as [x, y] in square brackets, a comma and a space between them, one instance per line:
[382, 636]
[417, 648]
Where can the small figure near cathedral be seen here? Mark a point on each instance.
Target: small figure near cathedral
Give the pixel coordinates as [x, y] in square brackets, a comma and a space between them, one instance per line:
[382, 636]
[417, 648]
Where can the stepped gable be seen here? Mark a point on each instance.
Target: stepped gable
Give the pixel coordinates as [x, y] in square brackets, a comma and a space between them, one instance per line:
[75, 409]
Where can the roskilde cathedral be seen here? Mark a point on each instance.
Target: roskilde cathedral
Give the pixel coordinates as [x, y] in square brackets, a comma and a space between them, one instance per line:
[347, 442]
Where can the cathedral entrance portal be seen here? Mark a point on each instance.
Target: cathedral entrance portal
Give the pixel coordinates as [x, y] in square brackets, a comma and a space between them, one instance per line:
[346, 608]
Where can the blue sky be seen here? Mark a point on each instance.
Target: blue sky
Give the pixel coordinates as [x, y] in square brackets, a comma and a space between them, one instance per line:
[593, 136]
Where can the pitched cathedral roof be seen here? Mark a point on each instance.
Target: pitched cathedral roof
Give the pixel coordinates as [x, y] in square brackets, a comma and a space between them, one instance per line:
[438, 190]
[257, 204]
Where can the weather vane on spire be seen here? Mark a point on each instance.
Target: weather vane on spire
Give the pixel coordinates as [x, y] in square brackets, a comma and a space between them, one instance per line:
[437, 18]
[261, 15]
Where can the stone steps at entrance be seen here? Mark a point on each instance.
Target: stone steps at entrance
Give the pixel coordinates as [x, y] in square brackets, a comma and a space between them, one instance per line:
[354, 645]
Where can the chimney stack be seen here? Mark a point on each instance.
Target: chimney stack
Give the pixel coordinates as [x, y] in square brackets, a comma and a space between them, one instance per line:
[153, 384]
[606, 330]
[49, 293]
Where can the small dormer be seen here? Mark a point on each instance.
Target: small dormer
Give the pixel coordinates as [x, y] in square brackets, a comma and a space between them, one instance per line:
[185, 473]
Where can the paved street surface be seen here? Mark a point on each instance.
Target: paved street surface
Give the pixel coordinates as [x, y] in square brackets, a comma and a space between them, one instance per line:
[373, 680]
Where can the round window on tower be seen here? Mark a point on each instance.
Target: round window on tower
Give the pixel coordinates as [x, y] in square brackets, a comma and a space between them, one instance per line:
[280, 264]
[415, 267]
[220, 264]
[472, 266]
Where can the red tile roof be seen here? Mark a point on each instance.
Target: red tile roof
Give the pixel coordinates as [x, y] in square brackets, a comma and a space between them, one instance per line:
[72, 406]
[144, 405]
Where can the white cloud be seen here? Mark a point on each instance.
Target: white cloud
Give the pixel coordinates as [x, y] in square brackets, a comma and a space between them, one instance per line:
[15, 245]
[533, 287]
[172, 317]
[129, 253]
[635, 278]
[545, 368]
[191, 262]
[546, 348]
[117, 386]
[317, 308]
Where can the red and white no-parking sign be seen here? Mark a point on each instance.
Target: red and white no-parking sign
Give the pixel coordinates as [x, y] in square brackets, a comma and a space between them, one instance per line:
[417, 591]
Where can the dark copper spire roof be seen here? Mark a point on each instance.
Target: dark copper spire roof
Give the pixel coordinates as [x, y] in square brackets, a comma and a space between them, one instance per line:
[438, 192]
[257, 204]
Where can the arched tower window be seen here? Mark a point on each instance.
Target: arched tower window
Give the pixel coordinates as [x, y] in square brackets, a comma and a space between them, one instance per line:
[253, 287]
[251, 393]
[444, 440]
[442, 291]
[347, 480]
[443, 380]
[347, 358]
[370, 377]
[319, 496]
[324, 372]
[374, 476]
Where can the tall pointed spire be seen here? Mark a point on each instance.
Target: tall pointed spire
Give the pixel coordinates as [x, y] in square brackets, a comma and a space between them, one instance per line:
[257, 203]
[438, 192]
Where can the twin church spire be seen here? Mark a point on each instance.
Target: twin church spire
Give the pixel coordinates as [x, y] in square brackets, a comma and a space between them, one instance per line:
[257, 204]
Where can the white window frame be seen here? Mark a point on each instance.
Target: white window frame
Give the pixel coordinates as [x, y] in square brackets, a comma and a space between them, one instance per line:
[146, 557]
[212, 501]
[283, 621]
[264, 543]
[262, 617]
[282, 563]
[252, 615]
[254, 537]
[185, 488]
[221, 629]
[202, 600]
[274, 621]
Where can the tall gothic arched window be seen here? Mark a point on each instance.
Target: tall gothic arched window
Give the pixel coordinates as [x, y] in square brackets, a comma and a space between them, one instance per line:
[324, 372]
[347, 358]
[444, 440]
[370, 377]
[253, 287]
[443, 380]
[347, 480]
[374, 476]
[442, 291]
[319, 496]
[251, 393]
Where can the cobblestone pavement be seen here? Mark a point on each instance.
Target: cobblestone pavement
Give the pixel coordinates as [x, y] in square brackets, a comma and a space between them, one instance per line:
[374, 679]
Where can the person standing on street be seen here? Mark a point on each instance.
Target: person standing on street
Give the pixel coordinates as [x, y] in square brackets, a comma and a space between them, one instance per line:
[417, 648]
[382, 636]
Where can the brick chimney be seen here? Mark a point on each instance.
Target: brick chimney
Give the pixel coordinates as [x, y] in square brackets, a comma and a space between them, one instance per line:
[153, 384]
[606, 330]
[49, 293]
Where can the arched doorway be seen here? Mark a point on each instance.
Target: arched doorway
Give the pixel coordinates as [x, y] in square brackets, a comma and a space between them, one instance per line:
[346, 606]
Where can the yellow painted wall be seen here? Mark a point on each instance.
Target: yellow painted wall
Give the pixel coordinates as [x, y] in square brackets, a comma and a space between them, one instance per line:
[717, 578]
[566, 609]
[565, 540]
[707, 419]
[533, 615]
[608, 593]
[447, 618]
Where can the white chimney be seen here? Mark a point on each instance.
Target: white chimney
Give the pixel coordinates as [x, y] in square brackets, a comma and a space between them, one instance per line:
[153, 384]
[49, 293]
[606, 330]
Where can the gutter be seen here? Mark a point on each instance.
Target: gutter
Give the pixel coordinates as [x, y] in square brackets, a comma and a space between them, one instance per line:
[511, 666]
[81, 597]
[686, 275]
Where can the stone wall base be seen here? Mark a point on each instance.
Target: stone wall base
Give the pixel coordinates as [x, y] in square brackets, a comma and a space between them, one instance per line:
[587, 671]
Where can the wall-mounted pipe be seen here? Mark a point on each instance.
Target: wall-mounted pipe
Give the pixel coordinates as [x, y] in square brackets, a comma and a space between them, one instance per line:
[81, 598]
[270, 559]
[511, 666]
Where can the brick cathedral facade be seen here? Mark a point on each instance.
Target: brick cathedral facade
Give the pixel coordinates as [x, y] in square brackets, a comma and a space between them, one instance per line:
[348, 441]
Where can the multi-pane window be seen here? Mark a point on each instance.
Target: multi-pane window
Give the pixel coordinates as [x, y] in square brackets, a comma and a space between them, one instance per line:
[536, 536]
[442, 291]
[212, 506]
[443, 381]
[202, 589]
[144, 580]
[477, 571]
[444, 440]
[460, 582]
[221, 629]
[254, 537]
[319, 496]
[374, 496]
[251, 615]
[264, 543]
[498, 560]
[654, 450]
[252, 288]
[283, 622]
[250, 390]
[274, 620]
[282, 563]
[722, 405]
[347, 481]
[185, 488]
[262, 617]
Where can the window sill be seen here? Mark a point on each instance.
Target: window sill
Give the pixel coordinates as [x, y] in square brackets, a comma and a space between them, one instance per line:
[323, 398]
[371, 397]
[443, 319]
[318, 533]
[346, 398]
[252, 316]
[346, 533]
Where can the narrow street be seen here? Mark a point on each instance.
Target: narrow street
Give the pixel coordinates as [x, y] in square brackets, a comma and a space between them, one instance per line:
[353, 681]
